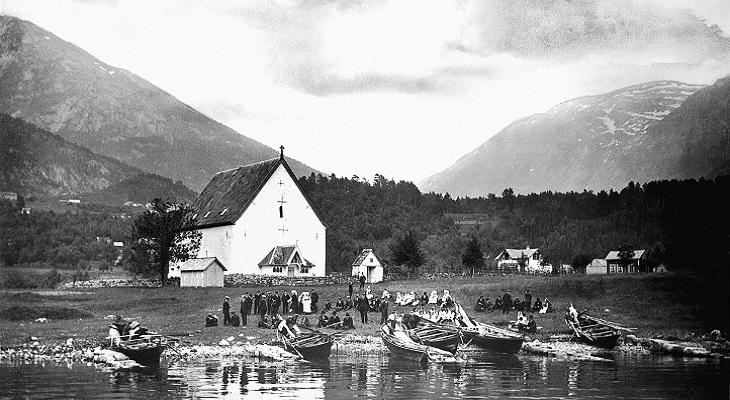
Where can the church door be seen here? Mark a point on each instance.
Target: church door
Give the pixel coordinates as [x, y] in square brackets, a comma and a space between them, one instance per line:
[290, 270]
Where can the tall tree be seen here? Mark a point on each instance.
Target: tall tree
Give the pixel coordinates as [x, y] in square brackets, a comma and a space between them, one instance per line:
[406, 251]
[164, 234]
[473, 258]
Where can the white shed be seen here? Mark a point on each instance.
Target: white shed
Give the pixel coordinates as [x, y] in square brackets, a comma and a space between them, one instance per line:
[368, 264]
[200, 272]
[598, 266]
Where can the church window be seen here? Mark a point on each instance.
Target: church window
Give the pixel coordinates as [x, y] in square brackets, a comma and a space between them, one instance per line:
[304, 270]
[278, 269]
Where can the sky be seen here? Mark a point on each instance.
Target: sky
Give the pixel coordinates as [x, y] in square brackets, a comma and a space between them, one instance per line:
[402, 88]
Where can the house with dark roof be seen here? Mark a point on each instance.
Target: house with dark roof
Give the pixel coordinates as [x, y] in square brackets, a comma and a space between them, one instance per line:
[368, 264]
[249, 213]
[525, 260]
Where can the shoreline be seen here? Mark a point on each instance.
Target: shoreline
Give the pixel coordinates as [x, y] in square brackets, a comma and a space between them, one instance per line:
[347, 345]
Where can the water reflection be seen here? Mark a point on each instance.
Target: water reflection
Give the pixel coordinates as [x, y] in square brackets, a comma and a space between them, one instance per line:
[480, 377]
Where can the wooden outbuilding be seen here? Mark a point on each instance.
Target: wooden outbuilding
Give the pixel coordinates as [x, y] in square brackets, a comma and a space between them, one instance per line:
[201, 272]
[368, 264]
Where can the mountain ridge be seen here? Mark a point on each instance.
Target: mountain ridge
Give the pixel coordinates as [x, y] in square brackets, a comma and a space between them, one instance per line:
[589, 142]
[64, 89]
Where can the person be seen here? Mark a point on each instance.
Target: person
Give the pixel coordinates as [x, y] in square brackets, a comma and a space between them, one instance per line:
[488, 305]
[275, 299]
[305, 321]
[506, 302]
[116, 328]
[243, 309]
[398, 298]
[256, 300]
[264, 322]
[538, 305]
[384, 306]
[347, 322]
[480, 304]
[521, 320]
[327, 305]
[282, 327]
[362, 306]
[334, 320]
[349, 304]
[572, 313]
[433, 299]
[211, 320]
[130, 330]
[424, 299]
[340, 305]
[294, 302]
[235, 320]
[362, 281]
[305, 300]
[349, 288]
[226, 311]
[531, 324]
[386, 294]
[528, 300]
[547, 307]
[315, 299]
[324, 320]
[516, 304]
[285, 302]
[248, 303]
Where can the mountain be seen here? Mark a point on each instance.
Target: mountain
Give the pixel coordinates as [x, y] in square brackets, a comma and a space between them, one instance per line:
[36, 162]
[142, 188]
[61, 88]
[656, 130]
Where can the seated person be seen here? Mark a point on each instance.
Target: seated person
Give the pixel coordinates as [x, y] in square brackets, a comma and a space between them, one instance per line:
[498, 303]
[334, 320]
[530, 326]
[433, 298]
[398, 298]
[305, 322]
[386, 294]
[340, 305]
[347, 322]
[211, 320]
[264, 322]
[235, 319]
[349, 304]
[131, 330]
[538, 305]
[480, 304]
[327, 306]
[424, 299]
[521, 321]
[282, 328]
[324, 320]
[488, 305]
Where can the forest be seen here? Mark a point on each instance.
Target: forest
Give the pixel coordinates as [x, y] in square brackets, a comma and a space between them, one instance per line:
[682, 224]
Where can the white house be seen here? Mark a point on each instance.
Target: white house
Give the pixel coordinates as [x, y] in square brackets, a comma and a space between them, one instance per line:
[630, 265]
[368, 264]
[522, 260]
[598, 266]
[247, 211]
[201, 272]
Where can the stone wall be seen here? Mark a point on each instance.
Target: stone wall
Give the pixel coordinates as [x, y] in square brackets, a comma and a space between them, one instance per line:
[98, 283]
[247, 280]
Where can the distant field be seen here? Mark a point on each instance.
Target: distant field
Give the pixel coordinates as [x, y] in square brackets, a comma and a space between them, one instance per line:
[666, 304]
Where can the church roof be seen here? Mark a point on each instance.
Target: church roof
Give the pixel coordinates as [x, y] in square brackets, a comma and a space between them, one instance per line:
[231, 192]
[283, 255]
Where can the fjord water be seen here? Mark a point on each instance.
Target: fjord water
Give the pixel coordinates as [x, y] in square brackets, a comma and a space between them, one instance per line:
[647, 377]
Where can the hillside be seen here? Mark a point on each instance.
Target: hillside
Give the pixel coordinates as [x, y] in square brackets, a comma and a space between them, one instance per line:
[142, 188]
[61, 88]
[35, 162]
[656, 130]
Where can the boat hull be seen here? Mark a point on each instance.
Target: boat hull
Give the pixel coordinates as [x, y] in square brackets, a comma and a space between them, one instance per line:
[593, 332]
[311, 347]
[147, 356]
[509, 345]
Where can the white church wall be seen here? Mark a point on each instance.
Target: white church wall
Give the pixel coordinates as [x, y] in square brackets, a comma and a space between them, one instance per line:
[261, 228]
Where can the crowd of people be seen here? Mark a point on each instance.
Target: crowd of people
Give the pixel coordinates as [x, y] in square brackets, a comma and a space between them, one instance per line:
[508, 304]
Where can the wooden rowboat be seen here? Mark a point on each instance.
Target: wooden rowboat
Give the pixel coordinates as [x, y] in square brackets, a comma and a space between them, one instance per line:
[145, 349]
[401, 345]
[310, 346]
[489, 337]
[441, 336]
[596, 331]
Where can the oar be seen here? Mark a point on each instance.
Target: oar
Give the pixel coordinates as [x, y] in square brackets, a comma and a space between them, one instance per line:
[292, 346]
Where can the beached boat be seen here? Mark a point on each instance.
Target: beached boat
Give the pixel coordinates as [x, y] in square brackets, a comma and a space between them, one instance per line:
[145, 349]
[595, 330]
[401, 345]
[489, 337]
[424, 331]
[311, 345]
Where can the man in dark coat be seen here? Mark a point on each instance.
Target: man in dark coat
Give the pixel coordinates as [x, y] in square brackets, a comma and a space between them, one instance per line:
[247, 304]
[528, 300]
[226, 311]
[262, 305]
[285, 303]
[315, 299]
[349, 288]
[506, 302]
[362, 306]
[384, 305]
[362, 281]
[256, 300]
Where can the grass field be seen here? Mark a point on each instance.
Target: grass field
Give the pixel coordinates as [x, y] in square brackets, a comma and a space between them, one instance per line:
[653, 304]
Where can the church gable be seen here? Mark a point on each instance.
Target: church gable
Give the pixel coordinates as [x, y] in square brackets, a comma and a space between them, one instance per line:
[230, 193]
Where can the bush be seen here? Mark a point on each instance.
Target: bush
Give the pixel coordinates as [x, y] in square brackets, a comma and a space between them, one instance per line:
[16, 280]
[29, 313]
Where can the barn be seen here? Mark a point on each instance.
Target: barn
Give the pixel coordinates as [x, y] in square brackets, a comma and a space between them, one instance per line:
[201, 272]
[245, 212]
[368, 264]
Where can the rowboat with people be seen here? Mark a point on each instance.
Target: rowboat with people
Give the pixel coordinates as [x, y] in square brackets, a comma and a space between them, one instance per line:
[594, 330]
[486, 336]
[144, 349]
[399, 342]
[435, 334]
